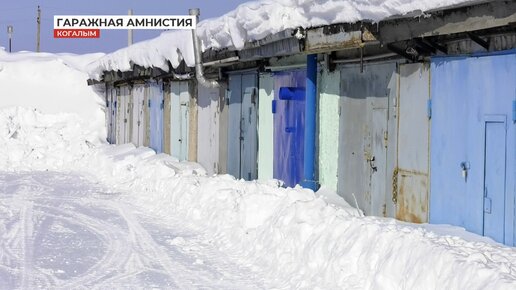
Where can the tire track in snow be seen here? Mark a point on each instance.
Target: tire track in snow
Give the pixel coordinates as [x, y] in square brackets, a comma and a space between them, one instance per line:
[122, 246]
[146, 246]
[26, 216]
[115, 251]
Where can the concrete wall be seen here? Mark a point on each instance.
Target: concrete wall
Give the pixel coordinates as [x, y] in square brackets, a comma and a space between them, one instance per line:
[328, 127]
[265, 126]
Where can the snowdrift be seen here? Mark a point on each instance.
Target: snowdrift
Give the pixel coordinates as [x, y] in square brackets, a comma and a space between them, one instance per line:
[293, 235]
[52, 83]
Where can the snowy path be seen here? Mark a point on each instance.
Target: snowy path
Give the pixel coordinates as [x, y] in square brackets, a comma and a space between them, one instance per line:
[63, 231]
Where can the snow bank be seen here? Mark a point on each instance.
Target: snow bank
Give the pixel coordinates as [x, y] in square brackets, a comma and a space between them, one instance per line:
[294, 236]
[51, 83]
[253, 21]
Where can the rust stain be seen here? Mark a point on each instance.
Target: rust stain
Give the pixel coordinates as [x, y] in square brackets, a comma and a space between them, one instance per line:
[368, 36]
[412, 203]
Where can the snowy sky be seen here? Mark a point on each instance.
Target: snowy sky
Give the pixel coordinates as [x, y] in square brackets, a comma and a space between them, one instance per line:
[22, 15]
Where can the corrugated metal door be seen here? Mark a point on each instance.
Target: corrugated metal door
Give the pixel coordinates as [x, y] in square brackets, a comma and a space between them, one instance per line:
[179, 116]
[156, 105]
[494, 177]
[473, 160]
[289, 127]
[413, 144]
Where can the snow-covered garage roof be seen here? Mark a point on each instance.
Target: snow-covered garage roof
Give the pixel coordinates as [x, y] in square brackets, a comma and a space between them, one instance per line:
[255, 20]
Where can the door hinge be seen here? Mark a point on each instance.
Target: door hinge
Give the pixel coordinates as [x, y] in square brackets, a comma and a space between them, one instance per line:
[514, 111]
[385, 138]
[148, 104]
[429, 109]
[228, 97]
[253, 96]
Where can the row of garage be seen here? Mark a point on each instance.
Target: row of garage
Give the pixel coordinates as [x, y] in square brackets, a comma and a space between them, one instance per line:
[427, 139]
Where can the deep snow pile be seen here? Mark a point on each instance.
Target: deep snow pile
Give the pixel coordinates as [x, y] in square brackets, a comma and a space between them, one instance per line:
[52, 83]
[253, 21]
[294, 235]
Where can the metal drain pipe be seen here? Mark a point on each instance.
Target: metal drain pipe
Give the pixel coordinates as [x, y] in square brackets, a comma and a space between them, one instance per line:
[309, 178]
[199, 69]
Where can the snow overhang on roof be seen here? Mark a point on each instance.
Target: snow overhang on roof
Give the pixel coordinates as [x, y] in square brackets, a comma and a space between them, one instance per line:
[466, 17]
[224, 47]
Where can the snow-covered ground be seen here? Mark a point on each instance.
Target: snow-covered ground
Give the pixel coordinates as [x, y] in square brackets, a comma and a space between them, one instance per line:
[76, 212]
[284, 238]
[64, 230]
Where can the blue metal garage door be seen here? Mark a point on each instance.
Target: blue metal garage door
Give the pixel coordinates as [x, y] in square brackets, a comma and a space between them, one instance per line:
[473, 146]
[289, 125]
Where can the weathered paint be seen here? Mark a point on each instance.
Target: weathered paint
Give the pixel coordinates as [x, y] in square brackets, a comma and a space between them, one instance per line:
[328, 122]
[265, 127]
[289, 127]
[179, 119]
[468, 94]
[242, 126]
[364, 153]
[208, 128]
[336, 37]
[137, 115]
[413, 143]
[155, 106]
